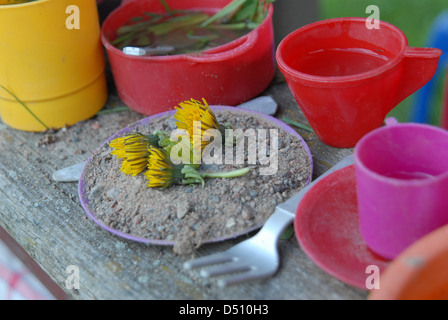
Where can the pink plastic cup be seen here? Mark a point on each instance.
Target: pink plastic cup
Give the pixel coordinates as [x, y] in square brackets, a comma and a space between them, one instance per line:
[402, 185]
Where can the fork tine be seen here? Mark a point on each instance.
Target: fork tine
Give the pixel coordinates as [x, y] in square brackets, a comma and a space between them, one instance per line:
[242, 277]
[225, 268]
[216, 258]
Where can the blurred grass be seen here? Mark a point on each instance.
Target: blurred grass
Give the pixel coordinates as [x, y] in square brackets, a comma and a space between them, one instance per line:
[413, 17]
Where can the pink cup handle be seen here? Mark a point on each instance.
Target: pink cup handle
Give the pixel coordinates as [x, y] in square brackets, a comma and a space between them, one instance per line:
[391, 121]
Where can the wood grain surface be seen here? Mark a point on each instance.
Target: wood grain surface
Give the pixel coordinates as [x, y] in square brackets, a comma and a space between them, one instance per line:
[47, 220]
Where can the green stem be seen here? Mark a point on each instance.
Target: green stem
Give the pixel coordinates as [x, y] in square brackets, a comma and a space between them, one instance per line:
[190, 175]
[27, 109]
[230, 174]
[126, 37]
[177, 23]
[193, 181]
[166, 6]
[231, 26]
[191, 35]
[113, 110]
[297, 124]
[123, 30]
[230, 8]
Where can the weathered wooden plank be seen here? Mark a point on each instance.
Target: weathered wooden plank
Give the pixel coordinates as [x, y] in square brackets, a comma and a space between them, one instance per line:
[47, 220]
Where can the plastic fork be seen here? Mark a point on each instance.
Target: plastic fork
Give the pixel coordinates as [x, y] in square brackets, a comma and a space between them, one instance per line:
[257, 257]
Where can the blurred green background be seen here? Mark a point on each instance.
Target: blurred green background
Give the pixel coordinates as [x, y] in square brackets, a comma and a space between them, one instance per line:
[413, 17]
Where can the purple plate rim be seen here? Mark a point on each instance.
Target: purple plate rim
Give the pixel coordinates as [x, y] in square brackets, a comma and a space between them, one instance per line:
[81, 184]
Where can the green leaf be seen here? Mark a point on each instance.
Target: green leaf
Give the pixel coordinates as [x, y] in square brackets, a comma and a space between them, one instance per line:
[208, 37]
[288, 233]
[113, 110]
[25, 106]
[230, 8]
[247, 11]
[253, 25]
[297, 124]
[165, 5]
[262, 11]
[232, 26]
[178, 22]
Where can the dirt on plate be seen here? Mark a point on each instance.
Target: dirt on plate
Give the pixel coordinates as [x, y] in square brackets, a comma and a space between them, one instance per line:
[187, 216]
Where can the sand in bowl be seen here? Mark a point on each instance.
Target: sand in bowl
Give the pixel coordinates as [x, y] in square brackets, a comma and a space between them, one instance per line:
[187, 216]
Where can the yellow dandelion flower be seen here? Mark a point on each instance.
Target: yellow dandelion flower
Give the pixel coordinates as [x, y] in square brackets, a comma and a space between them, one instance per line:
[133, 149]
[161, 172]
[196, 118]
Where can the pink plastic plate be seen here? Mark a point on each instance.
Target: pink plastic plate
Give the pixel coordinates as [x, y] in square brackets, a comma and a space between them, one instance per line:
[327, 229]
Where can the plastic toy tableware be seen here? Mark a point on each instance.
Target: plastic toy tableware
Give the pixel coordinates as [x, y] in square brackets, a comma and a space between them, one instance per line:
[226, 75]
[327, 230]
[402, 185]
[56, 71]
[84, 188]
[346, 77]
[419, 273]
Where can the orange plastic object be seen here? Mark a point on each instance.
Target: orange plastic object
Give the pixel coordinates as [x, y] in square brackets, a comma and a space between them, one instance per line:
[419, 273]
[226, 75]
[55, 70]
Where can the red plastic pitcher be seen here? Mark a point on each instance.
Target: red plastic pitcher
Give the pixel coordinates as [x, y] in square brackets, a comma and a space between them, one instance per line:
[346, 78]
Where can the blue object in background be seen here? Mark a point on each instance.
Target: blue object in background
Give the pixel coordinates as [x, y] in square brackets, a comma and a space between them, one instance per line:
[424, 98]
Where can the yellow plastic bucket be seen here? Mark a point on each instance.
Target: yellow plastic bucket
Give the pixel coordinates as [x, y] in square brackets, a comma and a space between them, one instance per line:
[52, 60]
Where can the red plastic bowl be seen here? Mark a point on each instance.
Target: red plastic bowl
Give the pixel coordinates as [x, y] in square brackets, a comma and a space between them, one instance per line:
[226, 75]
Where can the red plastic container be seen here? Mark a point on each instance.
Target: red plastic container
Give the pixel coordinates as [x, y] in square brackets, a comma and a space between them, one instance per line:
[226, 75]
[346, 78]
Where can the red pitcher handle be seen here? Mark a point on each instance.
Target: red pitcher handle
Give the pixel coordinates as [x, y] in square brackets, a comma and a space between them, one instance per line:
[422, 53]
[419, 66]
